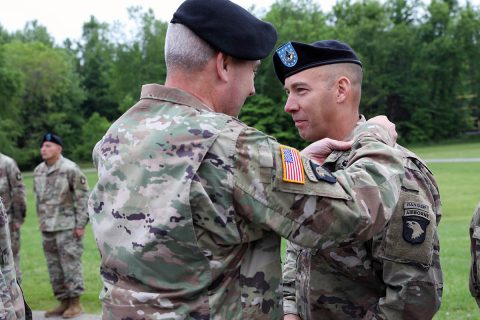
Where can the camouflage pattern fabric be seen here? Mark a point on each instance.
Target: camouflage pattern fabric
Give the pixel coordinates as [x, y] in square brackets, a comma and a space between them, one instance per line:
[396, 274]
[62, 193]
[474, 281]
[11, 298]
[190, 206]
[12, 191]
[15, 242]
[63, 253]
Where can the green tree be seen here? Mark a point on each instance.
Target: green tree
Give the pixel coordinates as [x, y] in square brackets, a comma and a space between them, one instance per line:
[92, 131]
[96, 55]
[9, 115]
[48, 98]
[139, 61]
[34, 32]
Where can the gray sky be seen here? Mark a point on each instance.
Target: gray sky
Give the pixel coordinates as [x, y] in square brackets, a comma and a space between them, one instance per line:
[64, 18]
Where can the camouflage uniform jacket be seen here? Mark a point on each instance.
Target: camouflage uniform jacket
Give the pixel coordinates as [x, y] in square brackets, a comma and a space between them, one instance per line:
[190, 206]
[396, 274]
[62, 195]
[12, 306]
[12, 190]
[474, 282]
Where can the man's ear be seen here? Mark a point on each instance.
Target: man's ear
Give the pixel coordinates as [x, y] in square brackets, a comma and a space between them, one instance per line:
[223, 63]
[344, 87]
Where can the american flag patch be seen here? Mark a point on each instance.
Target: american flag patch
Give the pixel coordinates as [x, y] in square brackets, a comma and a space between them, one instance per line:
[292, 165]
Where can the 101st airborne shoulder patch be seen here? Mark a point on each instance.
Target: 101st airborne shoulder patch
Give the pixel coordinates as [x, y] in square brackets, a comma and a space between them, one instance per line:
[292, 165]
[416, 218]
[19, 176]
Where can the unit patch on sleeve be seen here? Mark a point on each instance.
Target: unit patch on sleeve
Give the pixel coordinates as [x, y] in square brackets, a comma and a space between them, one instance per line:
[292, 165]
[322, 173]
[19, 176]
[416, 219]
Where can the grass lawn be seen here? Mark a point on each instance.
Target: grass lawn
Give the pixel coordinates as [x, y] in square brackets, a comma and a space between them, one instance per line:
[460, 193]
[464, 149]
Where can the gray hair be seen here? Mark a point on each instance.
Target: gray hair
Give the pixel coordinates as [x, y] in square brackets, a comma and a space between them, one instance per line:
[184, 50]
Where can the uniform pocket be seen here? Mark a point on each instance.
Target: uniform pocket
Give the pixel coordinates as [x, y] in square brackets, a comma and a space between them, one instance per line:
[410, 233]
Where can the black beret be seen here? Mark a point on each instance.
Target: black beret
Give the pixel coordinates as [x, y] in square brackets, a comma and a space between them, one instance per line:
[228, 28]
[293, 57]
[50, 137]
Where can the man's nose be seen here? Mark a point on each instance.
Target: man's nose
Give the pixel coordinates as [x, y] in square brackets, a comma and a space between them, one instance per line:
[290, 105]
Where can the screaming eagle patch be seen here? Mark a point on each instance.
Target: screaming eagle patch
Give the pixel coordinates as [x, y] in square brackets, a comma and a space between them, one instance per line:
[416, 219]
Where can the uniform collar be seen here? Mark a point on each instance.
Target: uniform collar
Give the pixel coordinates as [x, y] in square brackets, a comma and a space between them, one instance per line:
[335, 155]
[173, 95]
[55, 166]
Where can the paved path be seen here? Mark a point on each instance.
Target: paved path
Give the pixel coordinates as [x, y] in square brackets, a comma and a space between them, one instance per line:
[38, 315]
[452, 160]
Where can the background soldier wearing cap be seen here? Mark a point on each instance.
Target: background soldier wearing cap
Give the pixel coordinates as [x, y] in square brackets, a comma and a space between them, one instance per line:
[61, 194]
[12, 305]
[191, 203]
[394, 274]
[12, 192]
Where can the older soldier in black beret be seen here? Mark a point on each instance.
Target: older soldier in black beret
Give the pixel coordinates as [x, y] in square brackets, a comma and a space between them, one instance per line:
[393, 274]
[184, 213]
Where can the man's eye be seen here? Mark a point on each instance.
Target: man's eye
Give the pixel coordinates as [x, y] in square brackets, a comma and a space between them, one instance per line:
[301, 90]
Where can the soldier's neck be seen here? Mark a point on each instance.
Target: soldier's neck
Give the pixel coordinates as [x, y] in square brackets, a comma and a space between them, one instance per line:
[50, 162]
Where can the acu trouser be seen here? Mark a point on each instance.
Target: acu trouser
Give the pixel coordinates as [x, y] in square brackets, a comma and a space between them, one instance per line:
[63, 252]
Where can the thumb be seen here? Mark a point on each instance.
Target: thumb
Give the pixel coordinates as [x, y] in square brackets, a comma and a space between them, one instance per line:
[340, 145]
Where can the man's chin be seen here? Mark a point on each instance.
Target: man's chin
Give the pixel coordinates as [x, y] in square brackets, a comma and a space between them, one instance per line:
[304, 136]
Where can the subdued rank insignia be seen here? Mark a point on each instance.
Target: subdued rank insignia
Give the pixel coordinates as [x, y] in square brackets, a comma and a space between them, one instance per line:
[322, 173]
[308, 170]
[83, 180]
[19, 176]
[287, 55]
[292, 165]
[416, 219]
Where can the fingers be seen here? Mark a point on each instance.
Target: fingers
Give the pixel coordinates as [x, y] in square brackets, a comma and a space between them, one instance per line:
[383, 121]
[339, 145]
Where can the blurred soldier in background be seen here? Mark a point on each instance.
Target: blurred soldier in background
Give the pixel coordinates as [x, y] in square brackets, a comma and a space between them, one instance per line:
[393, 274]
[191, 203]
[61, 191]
[474, 282]
[12, 304]
[12, 191]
